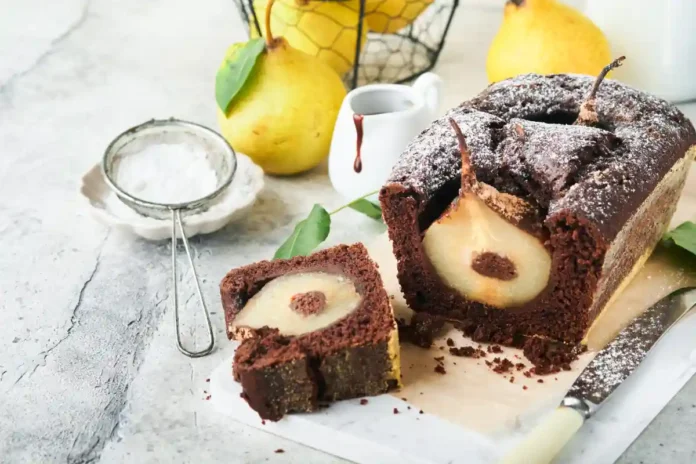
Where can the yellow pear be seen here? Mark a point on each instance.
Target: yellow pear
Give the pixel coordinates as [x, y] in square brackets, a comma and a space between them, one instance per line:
[390, 16]
[325, 29]
[283, 116]
[545, 37]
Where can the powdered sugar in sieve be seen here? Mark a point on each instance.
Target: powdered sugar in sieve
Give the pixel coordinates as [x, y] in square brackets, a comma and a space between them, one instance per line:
[171, 168]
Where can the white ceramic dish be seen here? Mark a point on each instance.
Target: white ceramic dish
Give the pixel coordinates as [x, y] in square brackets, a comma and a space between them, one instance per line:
[230, 206]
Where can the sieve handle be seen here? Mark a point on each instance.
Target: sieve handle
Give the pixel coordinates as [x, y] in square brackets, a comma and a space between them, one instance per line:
[176, 221]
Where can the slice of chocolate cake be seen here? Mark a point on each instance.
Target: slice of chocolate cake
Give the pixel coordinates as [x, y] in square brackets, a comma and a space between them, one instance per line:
[523, 225]
[316, 328]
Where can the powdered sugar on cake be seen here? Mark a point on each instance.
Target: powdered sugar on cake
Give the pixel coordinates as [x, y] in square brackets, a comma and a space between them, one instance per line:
[600, 174]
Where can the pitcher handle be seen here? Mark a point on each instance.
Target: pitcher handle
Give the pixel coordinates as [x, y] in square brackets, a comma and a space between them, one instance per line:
[429, 85]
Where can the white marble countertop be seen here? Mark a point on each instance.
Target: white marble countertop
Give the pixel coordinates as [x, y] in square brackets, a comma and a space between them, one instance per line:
[88, 367]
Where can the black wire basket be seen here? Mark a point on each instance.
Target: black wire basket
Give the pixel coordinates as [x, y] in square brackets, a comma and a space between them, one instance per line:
[365, 41]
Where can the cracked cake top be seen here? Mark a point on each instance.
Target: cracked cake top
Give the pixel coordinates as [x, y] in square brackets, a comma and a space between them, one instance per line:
[522, 141]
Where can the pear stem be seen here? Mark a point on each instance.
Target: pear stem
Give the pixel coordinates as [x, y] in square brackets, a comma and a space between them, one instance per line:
[613, 65]
[588, 113]
[468, 174]
[269, 34]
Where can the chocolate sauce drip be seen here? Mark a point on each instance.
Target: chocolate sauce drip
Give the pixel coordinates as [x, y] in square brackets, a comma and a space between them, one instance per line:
[358, 121]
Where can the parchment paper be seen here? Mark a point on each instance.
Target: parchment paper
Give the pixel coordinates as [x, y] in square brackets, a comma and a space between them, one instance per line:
[472, 395]
[472, 415]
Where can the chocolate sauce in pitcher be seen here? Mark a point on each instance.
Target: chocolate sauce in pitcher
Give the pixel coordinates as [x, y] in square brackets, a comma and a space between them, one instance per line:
[392, 107]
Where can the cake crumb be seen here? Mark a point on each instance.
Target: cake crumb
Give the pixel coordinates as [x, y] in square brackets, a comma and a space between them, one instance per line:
[467, 352]
[495, 349]
[263, 422]
[440, 369]
[528, 373]
[420, 412]
[503, 366]
[524, 387]
[279, 451]
[207, 380]
[540, 381]
[512, 379]
[439, 359]
[463, 351]
[496, 360]
[208, 397]
[450, 342]
[422, 329]
[408, 407]
[396, 411]
[519, 366]
[404, 399]
[363, 401]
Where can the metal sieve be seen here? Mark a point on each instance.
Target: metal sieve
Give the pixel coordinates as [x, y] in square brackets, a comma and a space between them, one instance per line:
[222, 159]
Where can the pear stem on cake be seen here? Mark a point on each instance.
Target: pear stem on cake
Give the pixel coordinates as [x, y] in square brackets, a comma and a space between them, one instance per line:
[468, 174]
[588, 112]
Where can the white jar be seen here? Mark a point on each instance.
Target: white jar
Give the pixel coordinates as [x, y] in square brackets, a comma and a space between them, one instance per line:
[658, 38]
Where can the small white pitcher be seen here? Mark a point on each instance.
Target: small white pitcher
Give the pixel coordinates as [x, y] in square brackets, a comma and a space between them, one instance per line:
[392, 115]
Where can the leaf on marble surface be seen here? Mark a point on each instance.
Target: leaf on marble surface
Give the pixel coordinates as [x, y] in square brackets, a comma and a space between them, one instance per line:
[308, 234]
[236, 70]
[684, 236]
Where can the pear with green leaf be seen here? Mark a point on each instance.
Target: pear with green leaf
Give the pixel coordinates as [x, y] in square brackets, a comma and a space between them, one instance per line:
[276, 104]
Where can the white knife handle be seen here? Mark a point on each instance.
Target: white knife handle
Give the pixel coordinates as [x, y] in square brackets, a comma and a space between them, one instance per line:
[547, 439]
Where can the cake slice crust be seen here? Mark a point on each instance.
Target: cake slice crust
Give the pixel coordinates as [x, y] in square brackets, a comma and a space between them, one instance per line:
[353, 355]
[604, 194]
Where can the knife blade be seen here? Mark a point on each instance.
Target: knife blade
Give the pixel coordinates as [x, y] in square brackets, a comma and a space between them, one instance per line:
[602, 376]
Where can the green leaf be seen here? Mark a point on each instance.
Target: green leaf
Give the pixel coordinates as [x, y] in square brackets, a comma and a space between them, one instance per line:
[235, 71]
[308, 234]
[683, 236]
[367, 207]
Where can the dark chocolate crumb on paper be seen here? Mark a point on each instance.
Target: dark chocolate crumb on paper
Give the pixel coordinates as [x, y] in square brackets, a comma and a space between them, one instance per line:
[422, 330]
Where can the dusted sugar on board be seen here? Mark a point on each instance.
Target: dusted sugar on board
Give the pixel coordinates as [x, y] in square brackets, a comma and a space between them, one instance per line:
[524, 210]
[314, 329]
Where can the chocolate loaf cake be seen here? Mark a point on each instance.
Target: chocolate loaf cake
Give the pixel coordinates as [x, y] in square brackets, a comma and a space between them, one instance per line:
[314, 329]
[522, 226]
